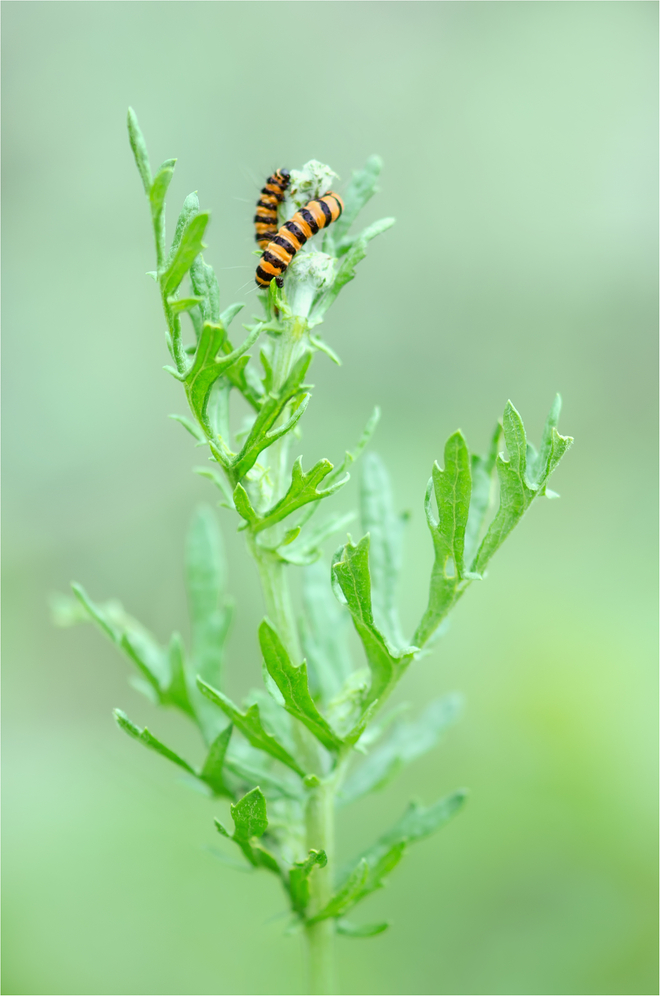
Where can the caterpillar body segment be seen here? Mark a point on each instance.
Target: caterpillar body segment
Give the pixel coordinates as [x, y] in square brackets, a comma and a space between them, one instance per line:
[293, 235]
[272, 194]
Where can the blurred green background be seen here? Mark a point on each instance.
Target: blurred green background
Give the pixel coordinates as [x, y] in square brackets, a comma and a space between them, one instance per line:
[519, 142]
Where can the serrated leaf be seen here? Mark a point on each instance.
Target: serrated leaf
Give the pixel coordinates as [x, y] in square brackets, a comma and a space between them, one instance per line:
[250, 725]
[139, 147]
[212, 773]
[349, 929]
[324, 634]
[347, 896]
[147, 738]
[350, 571]
[385, 528]
[292, 683]
[407, 742]
[298, 879]
[188, 249]
[517, 491]
[452, 487]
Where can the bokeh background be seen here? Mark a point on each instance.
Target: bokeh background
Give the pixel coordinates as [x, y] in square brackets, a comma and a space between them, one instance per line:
[519, 142]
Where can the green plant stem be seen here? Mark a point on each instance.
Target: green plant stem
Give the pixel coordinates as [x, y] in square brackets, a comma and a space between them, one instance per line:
[321, 936]
[320, 809]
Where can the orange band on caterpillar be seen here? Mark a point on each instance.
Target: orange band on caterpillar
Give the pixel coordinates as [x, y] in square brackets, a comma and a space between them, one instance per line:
[292, 236]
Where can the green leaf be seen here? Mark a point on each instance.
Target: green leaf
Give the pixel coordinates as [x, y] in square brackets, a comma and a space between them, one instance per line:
[250, 725]
[190, 427]
[292, 683]
[452, 487]
[349, 929]
[304, 488]
[210, 608]
[188, 211]
[188, 249]
[205, 285]
[176, 692]
[346, 270]
[407, 742]
[347, 896]
[249, 815]
[146, 738]
[131, 639]
[139, 148]
[482, 489]
[207, 367]
[352, 582]
[307, 549]
[250, 821]
[517, 489]
[367, 433]
[385, 528]
[374, 864]
[324, 634]
[212, 772]
[213, 475]
[157, 195]
[298, 879]
[360, 190]
[416, 823]
[262, 434]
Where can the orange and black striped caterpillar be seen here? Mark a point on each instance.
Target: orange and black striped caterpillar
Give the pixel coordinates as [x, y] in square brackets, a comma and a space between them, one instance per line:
[293, 234]
[272, 194]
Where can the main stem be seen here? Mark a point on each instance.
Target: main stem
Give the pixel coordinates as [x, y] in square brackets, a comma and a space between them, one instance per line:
[320, 809]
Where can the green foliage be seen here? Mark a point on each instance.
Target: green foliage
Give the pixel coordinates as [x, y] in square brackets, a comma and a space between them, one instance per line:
[308, 741]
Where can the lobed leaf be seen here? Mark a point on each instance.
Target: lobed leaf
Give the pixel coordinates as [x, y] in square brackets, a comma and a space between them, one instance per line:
[385, 529]
[292, 683]
[324, 634]
[518, 487]
[302, 490]
[346, 896]
[452, 487]
[262, 434]
[251, 820]
[407, 742]
[250, 725]
[361, 188]
[146, 738]
[205, 285]
[352, 583]
[213, 770]
[188, 249]
[298, 879]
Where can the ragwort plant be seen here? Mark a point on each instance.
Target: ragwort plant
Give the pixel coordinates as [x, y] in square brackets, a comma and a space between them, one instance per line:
[316, 736]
